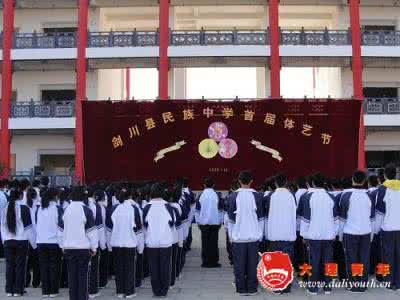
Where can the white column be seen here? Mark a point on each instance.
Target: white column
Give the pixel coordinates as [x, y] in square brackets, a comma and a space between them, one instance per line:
[262, 73]
[180, 83]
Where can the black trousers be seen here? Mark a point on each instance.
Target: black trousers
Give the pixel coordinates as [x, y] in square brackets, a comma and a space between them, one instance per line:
[50, 267]
[160, 269]
[15, 253]
[375, 255]
[103, 268]
[78, 273]
[320, 252]
[357, 251]
[124, 266]
[64, 273]
[245, 261]
[299, 252]
[209, 245]
[33, 268]
[1, 248]
[139, 269]
[94, 274]
[340, 258]
[179, 261]
[146, 270]
[228, 247]
[391, 256]
[174, 256]
[189, 240]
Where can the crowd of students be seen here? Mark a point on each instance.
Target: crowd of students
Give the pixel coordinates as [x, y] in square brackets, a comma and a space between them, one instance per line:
[78, 237]
[317, 221]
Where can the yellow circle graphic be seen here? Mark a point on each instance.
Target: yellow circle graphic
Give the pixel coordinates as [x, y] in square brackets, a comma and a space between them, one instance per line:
[208, 148]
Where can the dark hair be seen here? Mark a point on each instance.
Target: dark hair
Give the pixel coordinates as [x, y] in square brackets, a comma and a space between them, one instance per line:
[318, 180]
[347, 182]
[15, 194]
[35, 183]
[336, 183]
[157, 191]
[301, 182]
[24, 184]
[359, 177]
[209, 182]
[30, 195]
[99, 195]
[280, 180]
[123, 195]
[64, 195]
[373, 181]
[245, 177]
[44, 180]
[77, 193]
[3, 183]
[390, 171]
[49, 195]
[381, 175]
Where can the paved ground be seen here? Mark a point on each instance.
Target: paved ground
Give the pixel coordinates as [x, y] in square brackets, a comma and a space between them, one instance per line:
[215, 284]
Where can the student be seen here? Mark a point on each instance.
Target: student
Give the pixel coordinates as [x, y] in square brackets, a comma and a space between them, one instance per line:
[100, 200]
[17, 234]
[356, 215]
[158, 220]
[318, 227]
[376, 253]
[209, 217]
[387, 218]
[246, 227]
[79, 240]
[125, 233]
[46, 219]
[63, 203]
[234, 187]
[3, 204]
[280, 219]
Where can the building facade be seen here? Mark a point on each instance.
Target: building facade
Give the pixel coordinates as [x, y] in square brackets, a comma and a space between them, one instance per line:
[56, 53]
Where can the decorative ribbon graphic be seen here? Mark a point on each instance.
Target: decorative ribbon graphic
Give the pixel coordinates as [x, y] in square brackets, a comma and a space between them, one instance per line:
[161, 154]
[275, 154]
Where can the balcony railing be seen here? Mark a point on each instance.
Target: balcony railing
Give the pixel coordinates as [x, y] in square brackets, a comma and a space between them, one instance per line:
[204, 38]
[54, 109]
[55, 180]
[382, 106]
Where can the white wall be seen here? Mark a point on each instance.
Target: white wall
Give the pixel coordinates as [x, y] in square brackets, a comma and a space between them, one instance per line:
[382, 140]
[110, 84]
[29, 83]
[27, 148]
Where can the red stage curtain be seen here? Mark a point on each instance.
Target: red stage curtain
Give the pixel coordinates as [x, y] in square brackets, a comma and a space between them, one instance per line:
[122, 139]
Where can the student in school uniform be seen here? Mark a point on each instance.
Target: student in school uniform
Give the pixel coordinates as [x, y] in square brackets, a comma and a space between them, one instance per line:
[100, 199]
[17, 234]
[3, 204]
[299, 249]
[158, 220]
[234, 187]
[209, 217]
[376, 253]
[246, 227]
[318, 227]
[46, 219]
[280, 219]
[356, 215]
[388, 221]
[94, 262]
[79, 240]
[62, 203]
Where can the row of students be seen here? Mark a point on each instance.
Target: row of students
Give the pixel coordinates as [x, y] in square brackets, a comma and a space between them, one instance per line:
[74, 220]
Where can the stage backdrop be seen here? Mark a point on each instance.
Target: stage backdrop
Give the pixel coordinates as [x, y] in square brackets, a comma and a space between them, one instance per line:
[162, 140]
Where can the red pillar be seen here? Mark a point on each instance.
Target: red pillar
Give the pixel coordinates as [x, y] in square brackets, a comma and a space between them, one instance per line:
[275, 62]
[163, 64]
[128, 83]
[6, 84]
[354, 9]
[80, 86]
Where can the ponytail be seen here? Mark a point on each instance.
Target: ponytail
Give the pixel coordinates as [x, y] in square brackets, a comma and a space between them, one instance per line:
[30, 195]
[11, 215]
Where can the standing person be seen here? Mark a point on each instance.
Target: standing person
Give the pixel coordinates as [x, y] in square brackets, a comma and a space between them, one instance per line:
[356, 215]
[318, 227]
[246, 227]
[299, 249]
[63, 203]
[79, 240]
[209, 217]
[158, 220]
[388, 221]
[137, 202]
[125, 233]
[280, 219]
[376, 253]
[100, 199]
[46, 219]
[3, 204]
[17, 234]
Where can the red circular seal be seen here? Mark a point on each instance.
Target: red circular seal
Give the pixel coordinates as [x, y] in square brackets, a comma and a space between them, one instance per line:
[275, 271]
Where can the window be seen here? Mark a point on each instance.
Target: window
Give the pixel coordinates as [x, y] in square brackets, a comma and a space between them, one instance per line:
[58, 95]
[380, 92]
[378, 159]
[379, 27]
[55, 30]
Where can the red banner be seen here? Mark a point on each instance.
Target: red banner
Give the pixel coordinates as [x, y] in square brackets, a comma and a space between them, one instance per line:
[162, 140]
